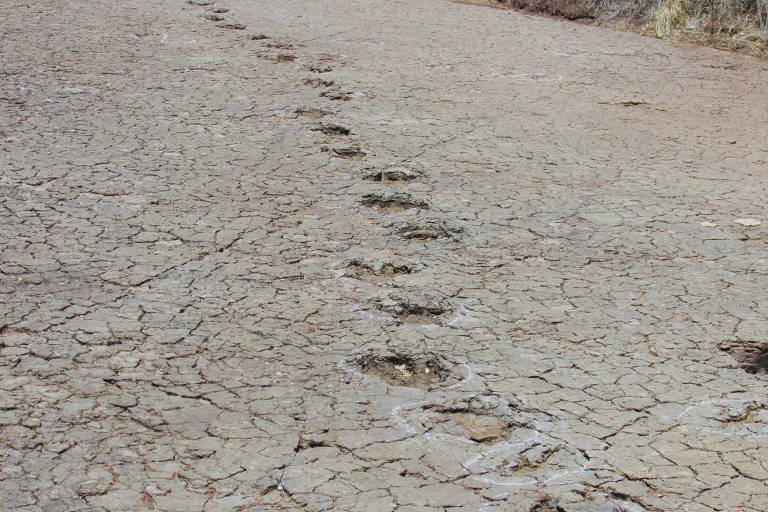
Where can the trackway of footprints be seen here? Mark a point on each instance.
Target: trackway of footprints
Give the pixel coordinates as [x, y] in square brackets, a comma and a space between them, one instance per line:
[342, 256]
[496, 444]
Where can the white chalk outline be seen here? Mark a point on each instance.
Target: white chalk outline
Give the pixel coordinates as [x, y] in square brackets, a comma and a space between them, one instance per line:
[549, 478]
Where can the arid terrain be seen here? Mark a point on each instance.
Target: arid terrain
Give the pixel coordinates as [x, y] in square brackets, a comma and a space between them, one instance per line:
[376, 256]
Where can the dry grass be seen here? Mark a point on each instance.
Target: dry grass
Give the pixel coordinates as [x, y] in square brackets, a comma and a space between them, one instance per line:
[740, 25]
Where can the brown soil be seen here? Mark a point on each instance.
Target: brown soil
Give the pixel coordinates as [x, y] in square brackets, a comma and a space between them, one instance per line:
[483, 428]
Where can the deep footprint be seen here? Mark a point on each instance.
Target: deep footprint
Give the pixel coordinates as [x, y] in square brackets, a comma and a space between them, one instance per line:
[395, 174]
[428, 232]
[332, 129]
[751, 357]
[403, 367]
[318, 82]
[392, 202]
[422, 311]
[285, 57]
[314, 113]
[351, 153]
[378, 272]
[337, 95]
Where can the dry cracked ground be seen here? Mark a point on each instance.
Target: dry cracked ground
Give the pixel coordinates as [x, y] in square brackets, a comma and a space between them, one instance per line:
[343, 255]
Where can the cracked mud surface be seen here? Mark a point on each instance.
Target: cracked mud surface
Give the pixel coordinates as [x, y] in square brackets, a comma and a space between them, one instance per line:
[178, 314]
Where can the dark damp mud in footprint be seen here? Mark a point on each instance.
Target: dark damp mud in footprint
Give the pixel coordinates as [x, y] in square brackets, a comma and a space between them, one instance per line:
[214, 17]
[332, 129]
[320, 69]
[392, 202]
[403, 367]
[285, 57]
[235, 26]
[395, 174]
[258, 37]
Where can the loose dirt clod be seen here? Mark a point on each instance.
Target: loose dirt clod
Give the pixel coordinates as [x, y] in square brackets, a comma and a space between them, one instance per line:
[404, 367]
[392, 202]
